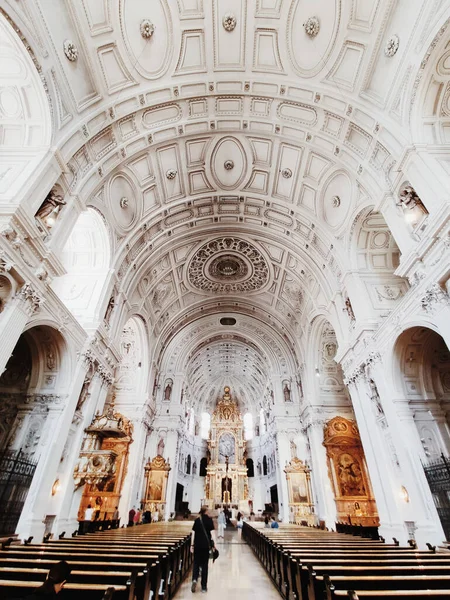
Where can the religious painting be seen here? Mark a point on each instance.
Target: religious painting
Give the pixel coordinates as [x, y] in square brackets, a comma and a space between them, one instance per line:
[350, 476]
[156, 474]
[299, 488]
[155, 487]
[227, 448]
[348, 473]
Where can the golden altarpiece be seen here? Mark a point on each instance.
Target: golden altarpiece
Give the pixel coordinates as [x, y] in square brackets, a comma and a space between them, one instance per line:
[348, 472]
[226, 479]
[156, 477]
[301, 507]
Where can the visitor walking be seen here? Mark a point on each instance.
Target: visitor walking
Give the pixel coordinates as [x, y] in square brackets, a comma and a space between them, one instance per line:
[201, 543]
[131, 514]
[221, 521]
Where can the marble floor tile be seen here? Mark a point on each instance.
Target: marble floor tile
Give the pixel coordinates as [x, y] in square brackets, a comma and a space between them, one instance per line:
[236, 575]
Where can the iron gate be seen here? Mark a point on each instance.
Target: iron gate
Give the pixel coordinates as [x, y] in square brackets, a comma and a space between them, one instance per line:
[438, 475]
[16, 474]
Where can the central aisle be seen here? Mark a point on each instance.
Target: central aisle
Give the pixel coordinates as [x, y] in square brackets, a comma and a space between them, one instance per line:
[236, 575]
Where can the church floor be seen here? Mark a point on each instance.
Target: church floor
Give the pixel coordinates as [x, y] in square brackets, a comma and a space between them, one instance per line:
[236, 575]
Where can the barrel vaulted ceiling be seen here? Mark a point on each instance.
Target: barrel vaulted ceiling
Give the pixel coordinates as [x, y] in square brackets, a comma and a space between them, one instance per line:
[229, 147]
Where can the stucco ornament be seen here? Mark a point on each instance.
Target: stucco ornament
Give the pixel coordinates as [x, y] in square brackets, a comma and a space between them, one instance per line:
[123, 202]
[286, 173]
[312, 26]
[392, 46]
[336, 201]
[70, 50]
[229, 22]
[147, 29]
[228, 165]
[171, 173]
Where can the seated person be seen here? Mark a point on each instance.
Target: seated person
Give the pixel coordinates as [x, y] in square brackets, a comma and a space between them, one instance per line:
[274, 524]
[56, 578]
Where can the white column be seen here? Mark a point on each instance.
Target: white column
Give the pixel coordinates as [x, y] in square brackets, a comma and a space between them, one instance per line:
[284, 455]
[320, 481]
[53, 438]
[171, 453]
[381, 460]
[405, 437]
[69, 497]
[13, 320]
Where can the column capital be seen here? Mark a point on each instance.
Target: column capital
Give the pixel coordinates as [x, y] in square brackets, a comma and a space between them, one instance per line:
[30, 298]
[435, 297]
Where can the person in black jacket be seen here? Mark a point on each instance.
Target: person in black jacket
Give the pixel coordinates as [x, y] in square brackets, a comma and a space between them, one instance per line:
[201, 543]
[56, 578]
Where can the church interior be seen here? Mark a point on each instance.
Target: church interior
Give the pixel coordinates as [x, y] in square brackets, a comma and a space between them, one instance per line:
[225, 267]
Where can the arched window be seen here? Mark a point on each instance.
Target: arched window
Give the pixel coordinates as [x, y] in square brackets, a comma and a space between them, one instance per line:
[205, 426]
[250, 467]
[265, 465]
[188, 464]
[248, 426]
[203, 465]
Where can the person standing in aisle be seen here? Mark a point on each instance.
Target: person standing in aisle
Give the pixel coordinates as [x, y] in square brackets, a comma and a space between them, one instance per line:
[201, 543]
[222, 521]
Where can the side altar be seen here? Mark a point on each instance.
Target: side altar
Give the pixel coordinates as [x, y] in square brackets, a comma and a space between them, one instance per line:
[226, 481]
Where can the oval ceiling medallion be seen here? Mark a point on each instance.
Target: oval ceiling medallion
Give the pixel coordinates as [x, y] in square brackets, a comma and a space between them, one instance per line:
[122, 200]
[149, 56]
[309, 47]
[228, 163]
[337, 199]
[228, 265]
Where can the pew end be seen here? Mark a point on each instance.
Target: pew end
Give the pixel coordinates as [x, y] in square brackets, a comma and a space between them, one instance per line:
[7, 543]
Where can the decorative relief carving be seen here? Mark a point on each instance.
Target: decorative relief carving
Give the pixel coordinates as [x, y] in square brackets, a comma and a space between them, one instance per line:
[171, 174]
[286, 173]
[70, 50]
[228, 165]
[392, 46]
[228, 265]
[312, 26]
[29, 295]
[434, 296]
[336, 202]
[408, 199]
[229, 22]
[147, 29]
[123, 202]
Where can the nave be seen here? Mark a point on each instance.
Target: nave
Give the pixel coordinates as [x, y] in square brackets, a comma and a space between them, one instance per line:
[152, 562]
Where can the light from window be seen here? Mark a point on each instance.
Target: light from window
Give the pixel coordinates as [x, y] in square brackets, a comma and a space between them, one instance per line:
[248, 426]
[205, 425]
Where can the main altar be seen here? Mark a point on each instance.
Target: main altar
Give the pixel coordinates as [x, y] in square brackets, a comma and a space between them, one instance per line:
[226, 481]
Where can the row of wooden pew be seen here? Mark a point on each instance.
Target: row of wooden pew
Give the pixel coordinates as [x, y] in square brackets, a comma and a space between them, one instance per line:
[143, 563]
[310, 564]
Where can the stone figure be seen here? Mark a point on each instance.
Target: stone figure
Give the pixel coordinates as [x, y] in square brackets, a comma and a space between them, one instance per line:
[161, 446]
[286, 393]
[53, 201]
[408, 199]
[167, 391]
[51, 359]
[258, 468]
[194, 468]
[349, 309]
[84, 394]
[109, 309]
[300, 386]
[293, 446]
[375, 397]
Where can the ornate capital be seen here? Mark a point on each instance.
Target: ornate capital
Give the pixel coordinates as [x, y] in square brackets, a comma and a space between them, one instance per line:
[435, 295]
[105, 375]
[356, 375]
[30, 297]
